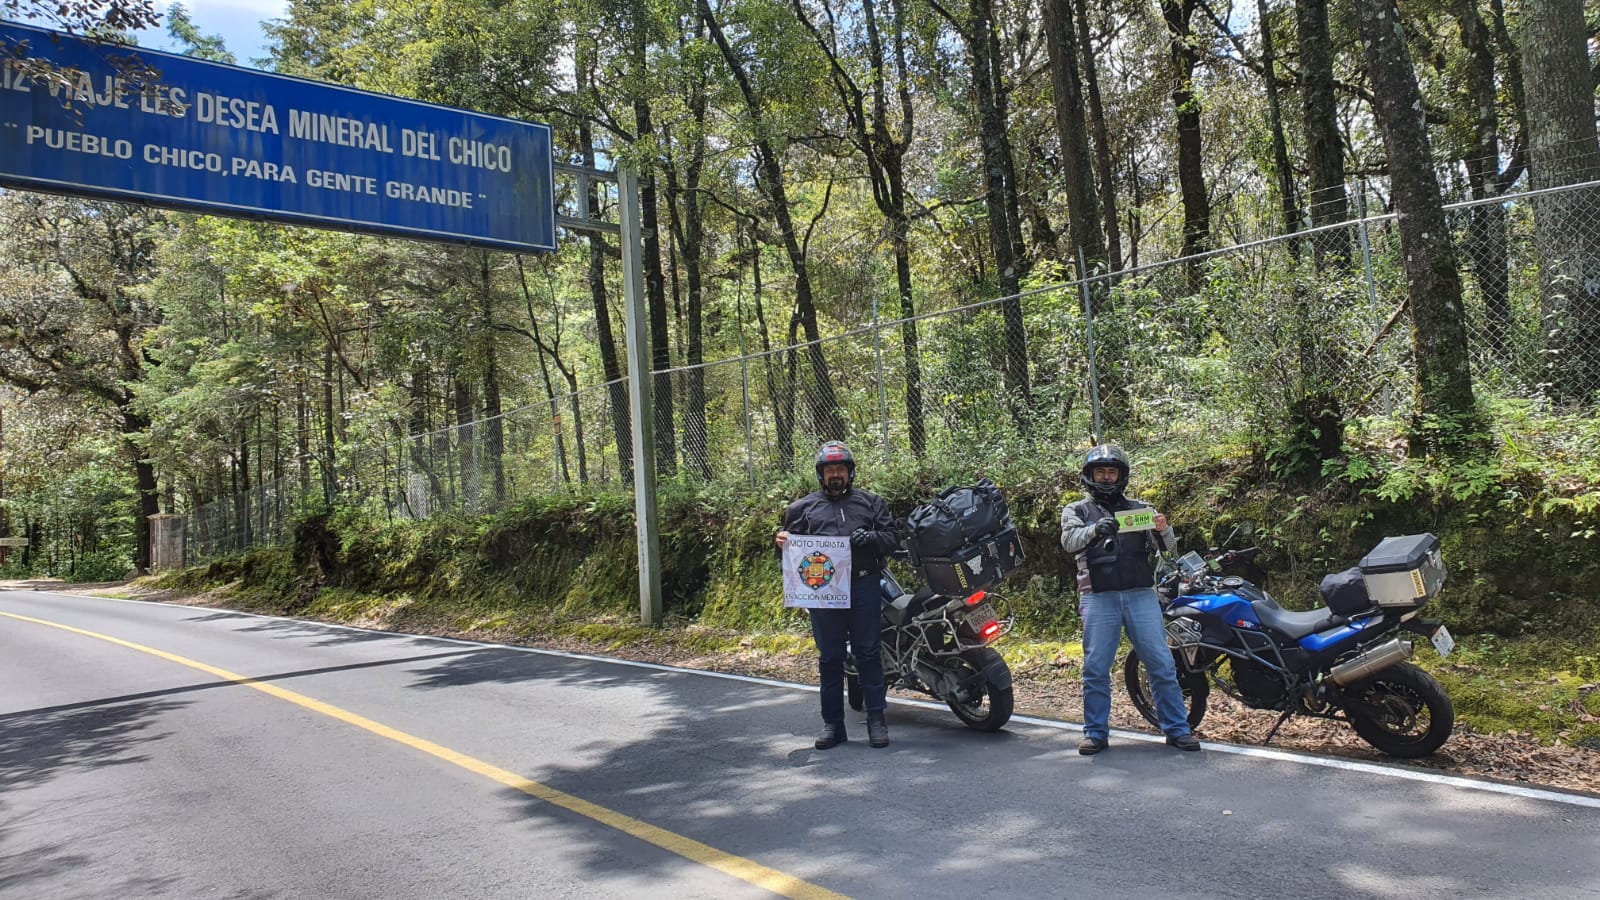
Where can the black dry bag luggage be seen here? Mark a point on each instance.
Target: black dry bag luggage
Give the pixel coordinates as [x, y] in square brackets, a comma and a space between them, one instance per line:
[961, 516]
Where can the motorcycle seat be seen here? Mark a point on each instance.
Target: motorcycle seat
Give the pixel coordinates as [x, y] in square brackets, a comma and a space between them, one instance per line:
[1293, 625]
[900, 610]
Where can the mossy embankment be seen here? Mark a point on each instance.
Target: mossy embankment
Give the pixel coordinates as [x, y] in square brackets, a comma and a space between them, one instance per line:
[1522, 595]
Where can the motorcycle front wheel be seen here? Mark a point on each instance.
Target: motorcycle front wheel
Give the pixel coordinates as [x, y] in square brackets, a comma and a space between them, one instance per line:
[1415, 715]
[852, 692]
[1196, 690]
[987, 707]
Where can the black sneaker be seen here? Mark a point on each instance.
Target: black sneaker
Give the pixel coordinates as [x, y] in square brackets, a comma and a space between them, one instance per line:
[1184, 742]
[877, 730]
[832, 735]
[1090, 746]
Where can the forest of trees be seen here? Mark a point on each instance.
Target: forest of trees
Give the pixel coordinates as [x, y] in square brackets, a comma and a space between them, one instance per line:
[811, 166]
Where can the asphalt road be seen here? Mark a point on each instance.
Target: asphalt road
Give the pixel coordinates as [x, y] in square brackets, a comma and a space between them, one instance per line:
[178, 752]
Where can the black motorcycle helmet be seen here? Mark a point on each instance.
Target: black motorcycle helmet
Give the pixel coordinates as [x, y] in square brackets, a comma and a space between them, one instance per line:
[1105, 455]
[834, 453]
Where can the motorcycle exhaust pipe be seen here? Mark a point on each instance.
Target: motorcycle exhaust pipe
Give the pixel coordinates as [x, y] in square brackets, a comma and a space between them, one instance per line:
[1378, 658]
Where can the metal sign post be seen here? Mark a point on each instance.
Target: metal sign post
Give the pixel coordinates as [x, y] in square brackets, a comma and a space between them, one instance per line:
[641, 404]
[636, 328]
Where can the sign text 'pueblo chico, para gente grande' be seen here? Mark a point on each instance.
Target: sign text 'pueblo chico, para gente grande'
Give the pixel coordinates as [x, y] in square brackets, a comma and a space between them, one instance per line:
[232, 141]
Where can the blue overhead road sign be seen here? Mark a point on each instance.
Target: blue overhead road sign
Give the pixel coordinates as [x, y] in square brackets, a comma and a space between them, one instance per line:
[231, 141]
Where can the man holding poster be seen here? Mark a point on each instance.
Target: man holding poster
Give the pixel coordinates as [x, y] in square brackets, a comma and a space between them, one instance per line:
[833, 544]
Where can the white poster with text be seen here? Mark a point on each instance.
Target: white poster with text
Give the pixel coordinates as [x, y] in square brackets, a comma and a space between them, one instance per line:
[816, 572]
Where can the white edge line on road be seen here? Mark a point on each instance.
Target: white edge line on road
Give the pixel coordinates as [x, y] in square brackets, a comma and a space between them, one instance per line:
[1349, 765]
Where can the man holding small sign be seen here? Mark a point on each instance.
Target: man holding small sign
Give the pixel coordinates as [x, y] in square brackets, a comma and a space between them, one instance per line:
[833, 544]
[1114, 539]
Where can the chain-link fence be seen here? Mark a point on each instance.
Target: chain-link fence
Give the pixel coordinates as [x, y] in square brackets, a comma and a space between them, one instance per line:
[1285, 338]
[573, 439]
[257, 516]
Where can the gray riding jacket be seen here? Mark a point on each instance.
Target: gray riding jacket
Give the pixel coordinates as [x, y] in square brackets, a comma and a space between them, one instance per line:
[1117, 564]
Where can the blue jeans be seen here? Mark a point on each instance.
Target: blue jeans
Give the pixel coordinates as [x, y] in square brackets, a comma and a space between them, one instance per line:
[859, 627]
[1105, 614]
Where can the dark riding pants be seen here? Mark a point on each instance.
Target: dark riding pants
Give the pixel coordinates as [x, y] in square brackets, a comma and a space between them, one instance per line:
[858, 628]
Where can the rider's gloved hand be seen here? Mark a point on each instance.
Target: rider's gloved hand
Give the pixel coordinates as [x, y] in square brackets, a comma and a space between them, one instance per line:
[861, 537]
[1106, 527]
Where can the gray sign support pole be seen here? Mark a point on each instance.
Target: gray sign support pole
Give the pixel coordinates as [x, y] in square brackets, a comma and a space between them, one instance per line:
[641, 406]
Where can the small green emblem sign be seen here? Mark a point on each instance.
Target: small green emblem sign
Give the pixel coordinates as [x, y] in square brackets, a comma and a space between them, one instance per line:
[1142, 519]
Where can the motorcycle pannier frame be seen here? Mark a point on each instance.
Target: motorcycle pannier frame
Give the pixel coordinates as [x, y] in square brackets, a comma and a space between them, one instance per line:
[1404, 571]
[973, 567]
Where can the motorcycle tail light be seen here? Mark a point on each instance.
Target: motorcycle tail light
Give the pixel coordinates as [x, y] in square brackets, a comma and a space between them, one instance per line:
[977, 598]
[989, 630]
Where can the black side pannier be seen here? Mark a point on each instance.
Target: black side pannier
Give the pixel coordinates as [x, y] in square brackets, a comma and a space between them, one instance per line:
[1346, 592]
[974, 567]
[960, 516]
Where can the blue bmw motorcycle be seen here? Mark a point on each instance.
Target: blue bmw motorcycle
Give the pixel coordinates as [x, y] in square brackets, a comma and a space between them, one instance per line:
[1344, 661]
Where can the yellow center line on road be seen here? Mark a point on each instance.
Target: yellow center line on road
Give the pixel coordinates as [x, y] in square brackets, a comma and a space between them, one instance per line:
[746, 870]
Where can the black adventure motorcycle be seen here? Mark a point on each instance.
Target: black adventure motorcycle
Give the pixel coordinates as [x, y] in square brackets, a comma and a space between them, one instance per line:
[941, 646]
[1344, 661]
[938, 640]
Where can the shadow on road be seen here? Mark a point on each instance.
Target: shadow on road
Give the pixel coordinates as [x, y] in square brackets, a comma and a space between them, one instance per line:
[957, 813]
[36, 744]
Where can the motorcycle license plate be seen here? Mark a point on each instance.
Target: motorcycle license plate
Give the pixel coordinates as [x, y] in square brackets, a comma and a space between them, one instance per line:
[979, 616]
[1442, 641]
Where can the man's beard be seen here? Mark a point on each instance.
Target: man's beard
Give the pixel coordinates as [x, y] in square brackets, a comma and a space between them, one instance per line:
[835, 485]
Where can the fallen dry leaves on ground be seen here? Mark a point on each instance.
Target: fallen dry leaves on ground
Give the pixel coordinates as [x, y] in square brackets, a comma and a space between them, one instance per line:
[1053, 691]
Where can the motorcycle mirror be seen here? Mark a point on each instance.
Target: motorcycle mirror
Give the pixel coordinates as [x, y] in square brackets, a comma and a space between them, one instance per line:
[1245, 528]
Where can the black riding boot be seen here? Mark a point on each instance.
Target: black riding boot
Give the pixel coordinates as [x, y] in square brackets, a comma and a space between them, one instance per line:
[832, 735]
[877, 730]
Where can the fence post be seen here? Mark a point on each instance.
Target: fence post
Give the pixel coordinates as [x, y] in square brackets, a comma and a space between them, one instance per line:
[1088, 328]
[744, 387]
[1366, 244]
[883, 401]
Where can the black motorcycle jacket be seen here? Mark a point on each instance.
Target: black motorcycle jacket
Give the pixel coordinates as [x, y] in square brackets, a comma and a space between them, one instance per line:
[1120, 563]
[819, 514]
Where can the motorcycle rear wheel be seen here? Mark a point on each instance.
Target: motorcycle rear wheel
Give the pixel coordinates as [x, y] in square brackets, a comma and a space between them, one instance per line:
[1417, 715]
[852, 692]
[1196, 690]
[991, 708]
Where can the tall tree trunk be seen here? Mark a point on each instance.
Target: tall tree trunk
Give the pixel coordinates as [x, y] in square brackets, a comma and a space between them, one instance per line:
[1105, 171]
[467, 441]
[782, 423]
[417, 501]
[1083, 208]
[883, 144]
[1438, 323]
[242, 496]
[494, 424]
[769, 176]
[1486, 243]
[1324, 152]
[135, 428]
[1288, 201]
[689, 216]
[1002, 231]
[655, 287]
[330, 477]
[610, 365]
[1563, 151]
[1184, 57]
